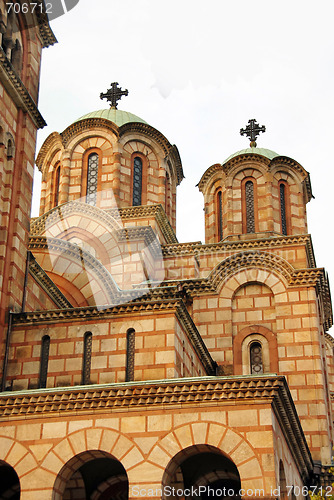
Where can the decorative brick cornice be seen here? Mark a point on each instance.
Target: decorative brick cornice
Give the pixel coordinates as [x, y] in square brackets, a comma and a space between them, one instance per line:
[18, 91]
[227, 167]
[50, 142]
[39, 225]
[227, 247]
[242, 158]
[87, 124]
[329, 338]
[48, 285]
[45, 30]
[315, 277]
[137, 306]
[144, 233]
[145, 396]
[146, 211]
[208, 174]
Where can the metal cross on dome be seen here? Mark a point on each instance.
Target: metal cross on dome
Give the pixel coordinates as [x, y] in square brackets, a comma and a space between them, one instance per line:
[252, 130]
[114, 94]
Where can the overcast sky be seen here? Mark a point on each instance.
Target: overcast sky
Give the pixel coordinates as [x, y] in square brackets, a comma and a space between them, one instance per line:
[198, 71]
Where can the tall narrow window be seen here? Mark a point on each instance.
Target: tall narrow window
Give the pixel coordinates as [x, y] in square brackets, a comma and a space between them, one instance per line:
[250, 217]
[92, 178]
[283, 208]
[130, 355]
[220, 215]
[167, 194]
[56, 186]
[256, 363]
[87, 358]
[137, 181]
[43, 371]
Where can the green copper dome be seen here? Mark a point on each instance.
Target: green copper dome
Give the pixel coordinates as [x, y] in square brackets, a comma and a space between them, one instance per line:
[116, 116]
[258, 151]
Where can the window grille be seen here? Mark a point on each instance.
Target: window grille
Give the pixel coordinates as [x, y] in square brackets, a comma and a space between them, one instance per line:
[256, 358]
[250, 218]
[220, 215]
[43, 373]
[87, 358]
[92, 178]
[56, 186]
[283, 209]
[130, 355]
[137, 181]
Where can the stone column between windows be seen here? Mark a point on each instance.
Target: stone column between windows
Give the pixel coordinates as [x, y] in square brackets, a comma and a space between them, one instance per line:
[64, 177]
[116, 174]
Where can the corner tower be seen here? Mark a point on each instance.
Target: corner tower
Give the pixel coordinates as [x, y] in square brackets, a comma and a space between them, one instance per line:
[110, 156]
[255, 193]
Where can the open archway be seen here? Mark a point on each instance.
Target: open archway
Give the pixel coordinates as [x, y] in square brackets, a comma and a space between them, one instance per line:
[204, 469]
[9, 482]
[92, 475]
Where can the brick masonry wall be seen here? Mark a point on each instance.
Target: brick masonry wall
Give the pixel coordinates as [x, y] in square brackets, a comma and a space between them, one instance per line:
[163, 351]
[145, 442]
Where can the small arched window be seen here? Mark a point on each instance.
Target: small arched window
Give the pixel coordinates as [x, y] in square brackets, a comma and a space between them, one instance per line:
[16, 56]
[282, 194]
[10, 149]
[43, 371]
[56, 185]
[250, 215]
[92, 178]
[130, 355]
[255, 356]
[87, 358]
[137, 181]
[219, 209]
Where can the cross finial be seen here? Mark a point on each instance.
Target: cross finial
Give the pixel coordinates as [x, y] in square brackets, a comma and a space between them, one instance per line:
[252, 130]
[114, 94]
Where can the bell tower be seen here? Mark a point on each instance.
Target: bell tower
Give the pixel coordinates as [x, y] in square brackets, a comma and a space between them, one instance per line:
[255, 193]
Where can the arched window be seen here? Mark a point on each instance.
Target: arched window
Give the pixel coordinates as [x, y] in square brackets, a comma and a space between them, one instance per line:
[282, 194]
[92, 178]
[219, 209]
[10, 149]
[16, 56]
[249, 199]
[255, 356]
[130, 355]
[167, 194]
[87, 358]
[43, 372]
[137, 181]
[56, 185]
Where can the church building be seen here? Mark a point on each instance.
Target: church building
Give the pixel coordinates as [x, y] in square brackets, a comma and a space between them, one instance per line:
[136, 366]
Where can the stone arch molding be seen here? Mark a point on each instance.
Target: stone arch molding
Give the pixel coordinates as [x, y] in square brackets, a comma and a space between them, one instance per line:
[20, 458]
[262, 264]
[232, 444]
[88, 440]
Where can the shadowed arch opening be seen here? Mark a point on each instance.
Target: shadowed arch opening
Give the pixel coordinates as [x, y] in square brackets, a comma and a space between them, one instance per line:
[93, 475]
[9, 482]
[205, 469]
